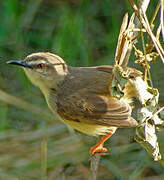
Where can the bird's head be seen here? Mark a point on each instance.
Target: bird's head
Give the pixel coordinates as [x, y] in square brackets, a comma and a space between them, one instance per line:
[44, 69]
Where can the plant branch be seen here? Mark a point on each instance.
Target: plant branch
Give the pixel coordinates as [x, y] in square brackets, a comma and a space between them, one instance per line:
[95, 159]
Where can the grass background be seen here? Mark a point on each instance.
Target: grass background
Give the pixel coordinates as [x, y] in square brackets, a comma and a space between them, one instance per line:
[34, 145]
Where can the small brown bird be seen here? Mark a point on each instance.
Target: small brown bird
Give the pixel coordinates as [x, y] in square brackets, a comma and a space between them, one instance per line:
[81, 96]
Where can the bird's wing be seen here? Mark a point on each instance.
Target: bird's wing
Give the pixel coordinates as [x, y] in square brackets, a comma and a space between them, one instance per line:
[91, 108]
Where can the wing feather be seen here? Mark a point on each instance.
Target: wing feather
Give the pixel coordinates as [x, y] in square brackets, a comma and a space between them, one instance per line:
[96, 109]
[80, 101]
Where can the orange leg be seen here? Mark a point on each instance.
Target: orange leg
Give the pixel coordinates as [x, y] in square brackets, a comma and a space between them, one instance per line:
[99, 146]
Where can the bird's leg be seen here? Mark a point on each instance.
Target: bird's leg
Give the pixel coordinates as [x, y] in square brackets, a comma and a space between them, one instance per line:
[99, 146]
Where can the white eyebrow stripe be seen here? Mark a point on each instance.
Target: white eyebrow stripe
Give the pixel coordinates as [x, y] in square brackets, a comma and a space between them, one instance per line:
[31, 63]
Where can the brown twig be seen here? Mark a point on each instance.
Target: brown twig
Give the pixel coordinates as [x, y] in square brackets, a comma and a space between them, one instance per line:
[95, 159]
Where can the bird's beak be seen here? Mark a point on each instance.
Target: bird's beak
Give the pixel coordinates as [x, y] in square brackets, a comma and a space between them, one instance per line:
[19, 63]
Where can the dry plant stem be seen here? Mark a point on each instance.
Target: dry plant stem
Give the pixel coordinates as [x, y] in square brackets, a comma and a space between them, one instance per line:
[147, 70]
[140, 13]
[15, 101]
[127, 33]
[143, 4]
[44, 159]
[124, 45]
[158, 31]
[155, 13]
[120, 41]
[153, 38]
[161, 18]
[161, 109]
[94, 165]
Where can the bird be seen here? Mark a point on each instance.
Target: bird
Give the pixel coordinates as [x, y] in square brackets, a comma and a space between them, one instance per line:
[81, 96]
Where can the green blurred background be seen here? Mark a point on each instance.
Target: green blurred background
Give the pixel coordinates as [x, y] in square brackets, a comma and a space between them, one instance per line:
[34, 145]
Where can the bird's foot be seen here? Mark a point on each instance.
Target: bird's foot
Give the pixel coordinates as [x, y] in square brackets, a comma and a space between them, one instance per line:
[97, 149]
[99, 146]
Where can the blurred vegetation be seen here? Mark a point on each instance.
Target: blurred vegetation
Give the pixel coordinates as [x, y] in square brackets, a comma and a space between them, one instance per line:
[33, 144]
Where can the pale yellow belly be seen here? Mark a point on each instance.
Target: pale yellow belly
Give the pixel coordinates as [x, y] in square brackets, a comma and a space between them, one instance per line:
[90, 129]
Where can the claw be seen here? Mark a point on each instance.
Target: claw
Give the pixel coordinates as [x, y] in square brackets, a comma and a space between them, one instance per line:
[98, 148]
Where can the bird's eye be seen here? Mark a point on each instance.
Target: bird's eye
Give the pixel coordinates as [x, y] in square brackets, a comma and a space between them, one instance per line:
[41, 66]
